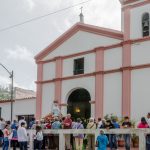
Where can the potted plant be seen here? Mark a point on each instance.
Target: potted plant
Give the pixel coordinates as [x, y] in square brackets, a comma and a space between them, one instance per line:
[121, 142]
[135, 140]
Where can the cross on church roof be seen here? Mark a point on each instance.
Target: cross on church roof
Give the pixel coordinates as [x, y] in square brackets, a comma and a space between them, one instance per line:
[81, 16]
[81, 9]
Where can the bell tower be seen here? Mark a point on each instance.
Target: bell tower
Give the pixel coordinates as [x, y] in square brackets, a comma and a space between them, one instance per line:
[135, 25]
[135, 18]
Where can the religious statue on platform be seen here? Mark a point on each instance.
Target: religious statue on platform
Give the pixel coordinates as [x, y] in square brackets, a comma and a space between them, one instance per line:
[55, 109]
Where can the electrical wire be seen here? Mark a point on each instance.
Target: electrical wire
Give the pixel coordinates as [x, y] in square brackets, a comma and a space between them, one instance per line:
[43, 16]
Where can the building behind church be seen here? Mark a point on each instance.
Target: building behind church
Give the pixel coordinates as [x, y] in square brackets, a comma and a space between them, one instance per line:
[24, 103]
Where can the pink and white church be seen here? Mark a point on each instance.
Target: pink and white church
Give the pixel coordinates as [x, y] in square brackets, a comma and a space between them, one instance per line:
[94, 71]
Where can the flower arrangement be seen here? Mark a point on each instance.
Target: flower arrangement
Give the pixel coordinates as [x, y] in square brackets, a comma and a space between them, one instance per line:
[48, 118]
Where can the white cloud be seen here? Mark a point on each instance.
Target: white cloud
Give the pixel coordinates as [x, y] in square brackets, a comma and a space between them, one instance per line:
[105, 13]
[34, 5]
[20, 53]
[30, 4]
[32, 86]
[6, 81]
[49, 4]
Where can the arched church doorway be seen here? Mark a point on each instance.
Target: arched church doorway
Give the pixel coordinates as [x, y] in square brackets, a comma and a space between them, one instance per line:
[78, 104]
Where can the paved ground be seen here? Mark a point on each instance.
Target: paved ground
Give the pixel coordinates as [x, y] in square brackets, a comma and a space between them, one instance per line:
[108, 149]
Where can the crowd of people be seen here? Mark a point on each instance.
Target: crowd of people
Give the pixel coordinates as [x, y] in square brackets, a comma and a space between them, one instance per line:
[15, 133]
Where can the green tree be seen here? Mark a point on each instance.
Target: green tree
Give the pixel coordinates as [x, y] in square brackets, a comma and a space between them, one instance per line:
[4, 92]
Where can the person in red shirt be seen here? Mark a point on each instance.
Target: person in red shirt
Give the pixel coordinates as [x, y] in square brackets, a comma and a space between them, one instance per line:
[143, 123]
[67, 124]
[48, 125]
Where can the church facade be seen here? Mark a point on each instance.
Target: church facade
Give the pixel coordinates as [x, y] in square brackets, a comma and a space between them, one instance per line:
[96, 71]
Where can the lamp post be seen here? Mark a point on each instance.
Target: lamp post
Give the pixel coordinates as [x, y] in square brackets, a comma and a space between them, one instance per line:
[11, 76]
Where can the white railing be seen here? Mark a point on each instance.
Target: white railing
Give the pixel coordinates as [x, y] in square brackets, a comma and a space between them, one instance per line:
[61, 132]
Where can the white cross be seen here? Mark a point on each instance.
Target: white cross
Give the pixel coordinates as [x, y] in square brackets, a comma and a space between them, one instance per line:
[81, 9]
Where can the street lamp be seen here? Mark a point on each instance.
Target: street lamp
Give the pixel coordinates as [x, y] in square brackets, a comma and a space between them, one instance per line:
[11, 76]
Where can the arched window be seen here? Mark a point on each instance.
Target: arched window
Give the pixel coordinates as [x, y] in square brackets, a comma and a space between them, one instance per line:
[145, 24]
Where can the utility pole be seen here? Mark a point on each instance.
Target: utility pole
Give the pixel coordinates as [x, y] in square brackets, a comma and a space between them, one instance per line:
[12, 93]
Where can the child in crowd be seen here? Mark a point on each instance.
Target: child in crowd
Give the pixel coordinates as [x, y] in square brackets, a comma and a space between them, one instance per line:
[101, 141]
[38, 138]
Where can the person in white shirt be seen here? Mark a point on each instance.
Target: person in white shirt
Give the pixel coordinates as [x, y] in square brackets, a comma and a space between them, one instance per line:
[99, 124]
[148, 119]
[2, 127]
[22, 120]
[2, 124]
[22, 136]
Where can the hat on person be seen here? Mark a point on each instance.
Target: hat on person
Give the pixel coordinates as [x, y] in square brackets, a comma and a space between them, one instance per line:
[91, 119]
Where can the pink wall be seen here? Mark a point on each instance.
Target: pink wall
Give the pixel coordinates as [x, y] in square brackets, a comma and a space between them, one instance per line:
[58, 82]
[126, 63]
[99, 83]
[39, 91]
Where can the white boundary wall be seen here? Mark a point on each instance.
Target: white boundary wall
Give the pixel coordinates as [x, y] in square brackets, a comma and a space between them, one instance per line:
[61, 132]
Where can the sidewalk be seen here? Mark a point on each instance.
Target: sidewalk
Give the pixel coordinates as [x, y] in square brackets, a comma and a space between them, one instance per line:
[120, 148]
[108, 149]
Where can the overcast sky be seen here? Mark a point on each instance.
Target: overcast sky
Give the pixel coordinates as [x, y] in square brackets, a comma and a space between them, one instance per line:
[19, 45]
